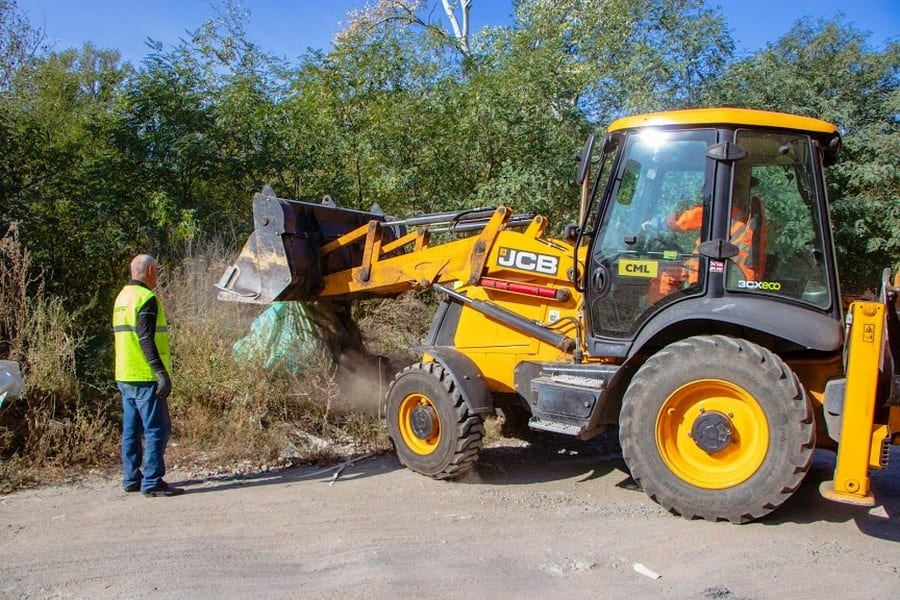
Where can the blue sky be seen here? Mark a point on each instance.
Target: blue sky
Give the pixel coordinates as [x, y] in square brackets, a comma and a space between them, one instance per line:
[288, 27]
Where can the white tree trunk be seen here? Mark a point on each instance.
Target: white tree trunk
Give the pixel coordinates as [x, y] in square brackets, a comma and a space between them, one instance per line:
[460, 32]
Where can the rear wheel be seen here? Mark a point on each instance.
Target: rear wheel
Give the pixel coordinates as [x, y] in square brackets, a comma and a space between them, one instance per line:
[718, 428]
[429, 423]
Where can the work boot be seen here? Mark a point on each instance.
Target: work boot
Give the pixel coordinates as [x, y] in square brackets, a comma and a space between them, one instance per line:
[162, 490]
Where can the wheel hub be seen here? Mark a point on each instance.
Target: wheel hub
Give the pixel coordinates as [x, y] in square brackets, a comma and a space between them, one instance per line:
[712, 431]
[423, 421]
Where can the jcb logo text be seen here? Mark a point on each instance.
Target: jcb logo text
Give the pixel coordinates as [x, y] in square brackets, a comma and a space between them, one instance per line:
[528, 261]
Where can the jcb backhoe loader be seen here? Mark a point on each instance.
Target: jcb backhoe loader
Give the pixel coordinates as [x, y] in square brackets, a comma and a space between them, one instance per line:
[695, 305]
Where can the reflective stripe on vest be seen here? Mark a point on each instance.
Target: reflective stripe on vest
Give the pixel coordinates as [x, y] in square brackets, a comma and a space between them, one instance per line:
[742, 237]
[131, 364]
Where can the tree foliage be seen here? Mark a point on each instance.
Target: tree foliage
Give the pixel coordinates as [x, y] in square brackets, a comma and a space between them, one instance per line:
[628, 56]
[20, 43]
[825, 69]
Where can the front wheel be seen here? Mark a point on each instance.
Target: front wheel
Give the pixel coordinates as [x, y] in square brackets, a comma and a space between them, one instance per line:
[718, 428]
[429, 423]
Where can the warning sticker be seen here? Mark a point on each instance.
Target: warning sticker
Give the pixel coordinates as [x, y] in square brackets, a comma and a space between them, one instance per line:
[869, 333]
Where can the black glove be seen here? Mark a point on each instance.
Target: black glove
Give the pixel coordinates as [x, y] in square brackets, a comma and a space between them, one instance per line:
[163, 385]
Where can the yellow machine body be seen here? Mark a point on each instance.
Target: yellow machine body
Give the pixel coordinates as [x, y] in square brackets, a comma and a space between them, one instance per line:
[700, 384]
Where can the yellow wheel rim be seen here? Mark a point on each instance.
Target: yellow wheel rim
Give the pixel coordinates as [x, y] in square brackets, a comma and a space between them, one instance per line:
[417, 404]
[738, 412]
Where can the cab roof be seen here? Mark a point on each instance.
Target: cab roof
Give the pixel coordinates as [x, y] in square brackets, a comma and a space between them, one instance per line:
[725, 116]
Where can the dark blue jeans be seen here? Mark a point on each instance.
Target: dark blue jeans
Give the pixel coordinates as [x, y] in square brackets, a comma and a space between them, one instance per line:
[145, 432]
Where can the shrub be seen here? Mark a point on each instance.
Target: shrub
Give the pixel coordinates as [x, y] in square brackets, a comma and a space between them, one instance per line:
[226, 409]
[52, 425]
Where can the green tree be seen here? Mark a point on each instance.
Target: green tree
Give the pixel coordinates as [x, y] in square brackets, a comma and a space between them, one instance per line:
[60, 174]
[203, 124]
[20, 43]
[629, 56]
[428, 126]
[826, 69]
[369, 122]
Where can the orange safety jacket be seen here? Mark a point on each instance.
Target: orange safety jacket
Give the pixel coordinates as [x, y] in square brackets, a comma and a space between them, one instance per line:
[750, 259]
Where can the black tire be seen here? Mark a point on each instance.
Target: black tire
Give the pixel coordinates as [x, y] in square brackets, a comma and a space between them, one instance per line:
[429, 423]
[759, 426]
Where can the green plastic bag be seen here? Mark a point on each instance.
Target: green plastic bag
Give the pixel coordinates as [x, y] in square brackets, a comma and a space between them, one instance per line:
[279, 337]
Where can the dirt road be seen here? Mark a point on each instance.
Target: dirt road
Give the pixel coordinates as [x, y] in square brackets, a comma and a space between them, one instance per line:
[554, 520]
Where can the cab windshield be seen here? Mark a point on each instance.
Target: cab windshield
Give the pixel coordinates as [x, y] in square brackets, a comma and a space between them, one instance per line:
[646, 251]
[645, 255]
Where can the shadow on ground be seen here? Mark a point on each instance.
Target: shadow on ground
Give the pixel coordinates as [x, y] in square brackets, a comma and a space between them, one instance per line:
[549, 458]
[369, 465]
[807, 505]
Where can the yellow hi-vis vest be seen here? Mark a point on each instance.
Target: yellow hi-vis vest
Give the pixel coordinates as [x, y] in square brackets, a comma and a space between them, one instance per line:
[131, 364]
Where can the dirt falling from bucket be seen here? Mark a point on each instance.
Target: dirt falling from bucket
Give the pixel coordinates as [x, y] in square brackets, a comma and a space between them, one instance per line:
[362, 378]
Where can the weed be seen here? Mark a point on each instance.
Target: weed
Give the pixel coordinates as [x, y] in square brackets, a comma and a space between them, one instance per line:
[50, 425]
[227, 408]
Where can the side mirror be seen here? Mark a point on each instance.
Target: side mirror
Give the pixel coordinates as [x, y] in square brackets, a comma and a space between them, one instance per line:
[570, 232]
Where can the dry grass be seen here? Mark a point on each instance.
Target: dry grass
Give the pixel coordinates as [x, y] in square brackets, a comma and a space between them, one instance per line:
[390, 326]
[227, 411]
[228, 414]
[53, 426]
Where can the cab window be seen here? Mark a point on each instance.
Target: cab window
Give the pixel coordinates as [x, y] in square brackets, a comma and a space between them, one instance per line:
[776, 221]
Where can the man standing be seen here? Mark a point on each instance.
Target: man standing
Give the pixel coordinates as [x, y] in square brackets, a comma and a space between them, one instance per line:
[143, 365]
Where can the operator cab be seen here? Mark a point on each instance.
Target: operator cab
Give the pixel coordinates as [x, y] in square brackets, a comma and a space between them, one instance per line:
[715, 217]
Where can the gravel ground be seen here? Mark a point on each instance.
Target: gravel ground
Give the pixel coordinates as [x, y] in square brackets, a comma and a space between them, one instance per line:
[558, 519]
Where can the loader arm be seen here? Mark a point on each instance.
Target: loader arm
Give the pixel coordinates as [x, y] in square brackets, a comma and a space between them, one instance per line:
[389, 268]
[305, 251]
